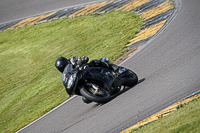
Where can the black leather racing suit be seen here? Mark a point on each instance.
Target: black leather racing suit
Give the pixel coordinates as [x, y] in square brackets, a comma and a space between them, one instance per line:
[79, 61]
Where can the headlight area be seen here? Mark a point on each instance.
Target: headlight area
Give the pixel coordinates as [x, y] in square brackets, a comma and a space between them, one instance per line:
[70, 82]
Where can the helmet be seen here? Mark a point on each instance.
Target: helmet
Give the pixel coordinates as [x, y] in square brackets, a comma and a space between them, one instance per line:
[61, 63]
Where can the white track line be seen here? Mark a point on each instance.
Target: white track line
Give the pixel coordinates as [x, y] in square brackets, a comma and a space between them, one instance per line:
[46, 114]
[178, 2]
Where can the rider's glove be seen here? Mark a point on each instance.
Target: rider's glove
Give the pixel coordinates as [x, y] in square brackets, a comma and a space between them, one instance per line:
[83, 67]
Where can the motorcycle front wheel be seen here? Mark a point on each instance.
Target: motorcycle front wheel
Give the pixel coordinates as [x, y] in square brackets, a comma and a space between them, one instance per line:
[86, 92]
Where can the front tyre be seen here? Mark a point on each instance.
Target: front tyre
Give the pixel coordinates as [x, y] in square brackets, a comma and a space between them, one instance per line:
[85, 92]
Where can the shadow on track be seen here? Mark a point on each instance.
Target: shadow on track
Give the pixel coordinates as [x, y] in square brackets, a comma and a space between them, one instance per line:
[120, 92]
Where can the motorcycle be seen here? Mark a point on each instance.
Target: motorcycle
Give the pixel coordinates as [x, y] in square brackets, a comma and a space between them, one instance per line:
[97, 84]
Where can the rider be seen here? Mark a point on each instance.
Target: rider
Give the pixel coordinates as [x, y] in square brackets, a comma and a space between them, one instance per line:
[77, 62]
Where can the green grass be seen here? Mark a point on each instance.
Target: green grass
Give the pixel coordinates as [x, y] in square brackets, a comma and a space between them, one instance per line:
[30, 85]
[184, 120]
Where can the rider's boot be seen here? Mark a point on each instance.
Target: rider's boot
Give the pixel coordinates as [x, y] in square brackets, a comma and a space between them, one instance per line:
[85, 100]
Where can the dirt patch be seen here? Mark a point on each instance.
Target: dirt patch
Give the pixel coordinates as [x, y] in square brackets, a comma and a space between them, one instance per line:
[126, 55]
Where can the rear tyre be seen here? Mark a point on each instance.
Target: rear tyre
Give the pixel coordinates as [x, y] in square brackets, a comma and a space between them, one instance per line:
[132, 79]
[85, 92]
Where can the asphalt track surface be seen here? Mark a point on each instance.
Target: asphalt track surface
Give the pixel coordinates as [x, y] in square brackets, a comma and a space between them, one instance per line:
[169, 68]
[16, 9]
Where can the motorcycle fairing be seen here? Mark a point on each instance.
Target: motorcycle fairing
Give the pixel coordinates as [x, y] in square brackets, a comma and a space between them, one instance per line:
[104, 75]
[110, 81]
[97, 73]
[69, 77]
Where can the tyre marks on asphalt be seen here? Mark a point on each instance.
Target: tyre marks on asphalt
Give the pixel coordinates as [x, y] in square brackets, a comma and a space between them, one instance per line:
[155, 14]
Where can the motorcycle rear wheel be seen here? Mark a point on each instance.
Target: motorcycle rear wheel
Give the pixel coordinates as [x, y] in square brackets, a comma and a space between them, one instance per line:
[95, 98]
[132, 79]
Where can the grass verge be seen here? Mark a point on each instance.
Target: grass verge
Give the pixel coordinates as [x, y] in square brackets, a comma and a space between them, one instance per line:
[30, 85]
[185, 120]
